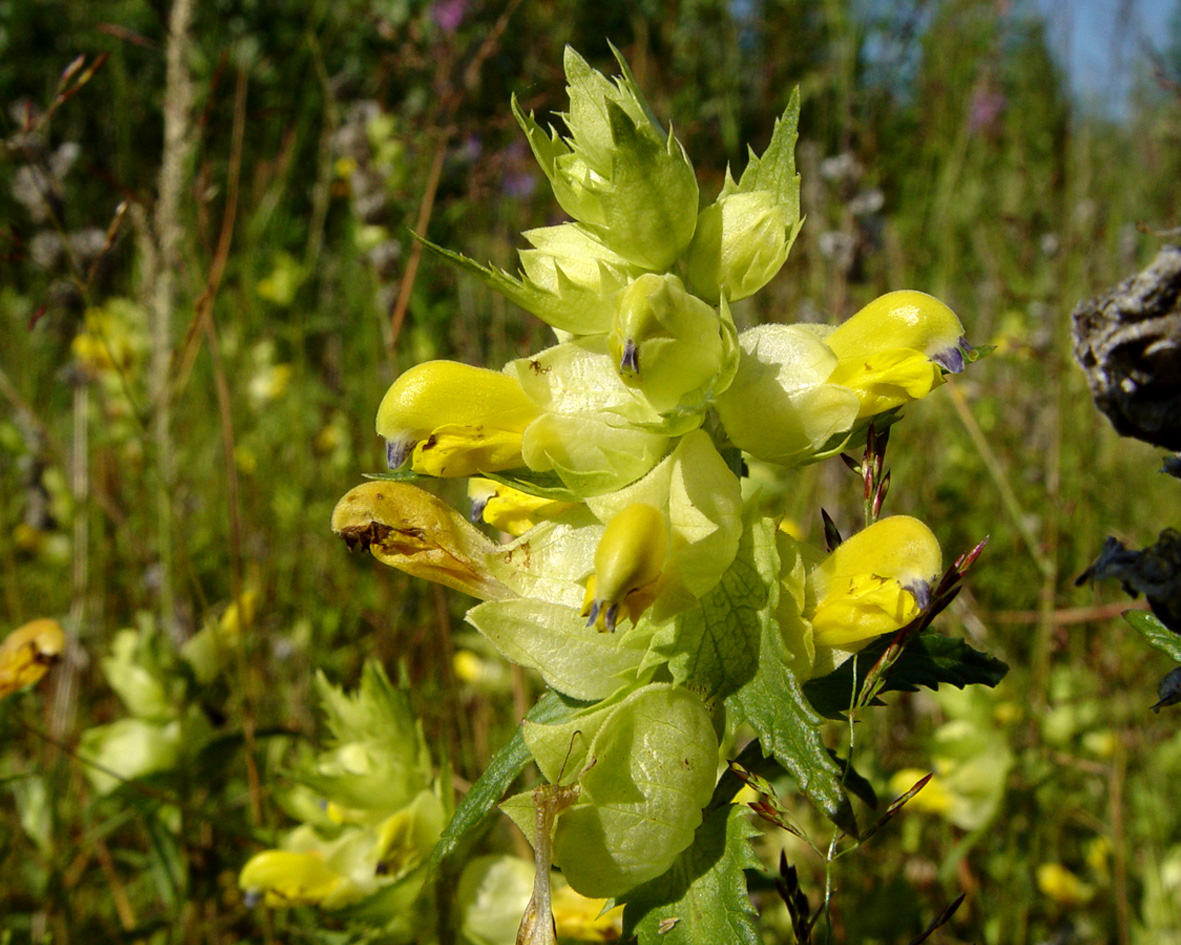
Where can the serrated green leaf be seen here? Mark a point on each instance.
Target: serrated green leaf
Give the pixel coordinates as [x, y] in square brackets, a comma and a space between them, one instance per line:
[775, 171]
[581, 310]
[773, 702]
[714, 647]
[1155, 633]
[702, 899]
[927, 661]
[480, 801]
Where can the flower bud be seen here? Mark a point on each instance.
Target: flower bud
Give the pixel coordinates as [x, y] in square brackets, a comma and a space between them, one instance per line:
[875, 582]
[896, 350]
[570, 279]
[452, 419]
[664, 341]
[619, 174]
[628, 565]
[741, 242]
[743, 238]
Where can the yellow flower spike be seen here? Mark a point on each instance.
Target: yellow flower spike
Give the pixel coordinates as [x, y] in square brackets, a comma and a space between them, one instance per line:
[509, 509]
[875, 582]
[410, 529]
[28, 652]
[288, 878]
[452, 419]
[628, 564]
[896, 349]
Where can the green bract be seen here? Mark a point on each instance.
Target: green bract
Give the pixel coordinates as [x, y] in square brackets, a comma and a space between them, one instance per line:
[619, 174]
[744, 236]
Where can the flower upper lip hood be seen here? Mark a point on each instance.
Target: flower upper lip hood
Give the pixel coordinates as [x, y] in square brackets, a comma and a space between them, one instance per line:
[895, 350]
[874, 582]
[627, 181]
[453, 419]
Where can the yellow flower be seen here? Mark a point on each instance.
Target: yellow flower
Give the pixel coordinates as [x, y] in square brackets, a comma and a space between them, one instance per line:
[453, 419]
[290, 878]
[934, 798]
[583, 919]
[1058, 883]
[875, 582]
[410, 529]
[628, 564]
[28, 652]
[895, 350]
[509, 509]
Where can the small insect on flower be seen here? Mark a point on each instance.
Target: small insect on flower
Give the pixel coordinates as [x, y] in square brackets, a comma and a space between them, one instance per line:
[27, 653]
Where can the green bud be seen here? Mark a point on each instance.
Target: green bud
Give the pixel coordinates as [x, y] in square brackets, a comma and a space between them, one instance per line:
[664, 341]
[741, 242]
[627, 181]
[743, 238]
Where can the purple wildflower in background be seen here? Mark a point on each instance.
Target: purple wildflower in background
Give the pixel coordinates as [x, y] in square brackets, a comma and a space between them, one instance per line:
[448, 14]
[985, 108]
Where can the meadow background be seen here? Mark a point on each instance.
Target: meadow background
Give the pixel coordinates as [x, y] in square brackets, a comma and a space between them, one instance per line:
[195, 332]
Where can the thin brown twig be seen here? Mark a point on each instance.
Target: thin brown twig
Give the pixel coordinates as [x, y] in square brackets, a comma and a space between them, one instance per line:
[1067, 615]
[123, 907]
[225, 412]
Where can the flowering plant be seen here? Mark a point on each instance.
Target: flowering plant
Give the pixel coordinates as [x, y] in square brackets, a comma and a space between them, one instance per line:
[664, 613]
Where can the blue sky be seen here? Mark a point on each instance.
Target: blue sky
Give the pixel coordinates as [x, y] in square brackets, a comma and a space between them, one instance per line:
[1102, 43]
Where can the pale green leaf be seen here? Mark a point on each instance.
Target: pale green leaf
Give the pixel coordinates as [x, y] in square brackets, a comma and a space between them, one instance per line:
[654, 764]
[553, 639]
[714, 646]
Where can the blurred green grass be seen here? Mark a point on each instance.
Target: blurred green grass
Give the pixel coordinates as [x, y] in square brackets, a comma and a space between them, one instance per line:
[962, 169]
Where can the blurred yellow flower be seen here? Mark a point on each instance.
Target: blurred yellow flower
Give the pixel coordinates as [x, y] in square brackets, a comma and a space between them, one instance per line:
[289, 878]
[934, 798]
[583, 919]
[1058, 883]
[28, 652]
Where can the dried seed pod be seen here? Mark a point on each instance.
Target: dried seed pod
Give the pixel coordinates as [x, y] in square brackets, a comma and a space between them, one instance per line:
[1128, 343]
